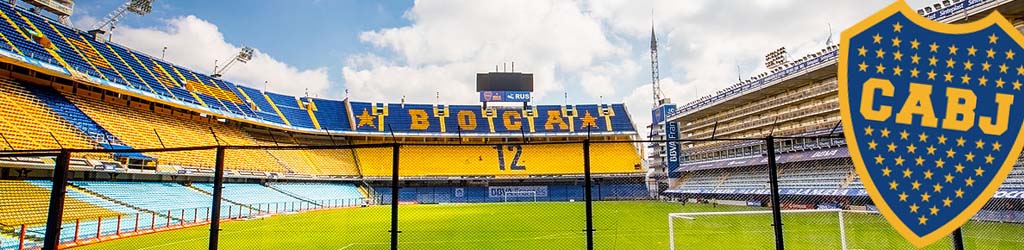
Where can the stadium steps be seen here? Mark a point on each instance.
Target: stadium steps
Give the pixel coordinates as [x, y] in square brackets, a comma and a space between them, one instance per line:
[222, 198]
[72, 186]
[292, 195]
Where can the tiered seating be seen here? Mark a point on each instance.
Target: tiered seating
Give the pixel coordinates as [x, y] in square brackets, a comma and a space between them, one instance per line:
[449, 160]
[327, 114]
[68, 53]
[13, 27]
[321, 191]
[26, 203]
[1014, 180]
[289, 107]
[817, 174]
[266, 111]
[135, 66]
[248, 193]
[27, 122]
[154, 196]
[124, 122]
[337, 162]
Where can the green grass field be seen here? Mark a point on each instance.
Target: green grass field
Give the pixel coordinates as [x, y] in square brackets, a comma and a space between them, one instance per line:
[552, 225]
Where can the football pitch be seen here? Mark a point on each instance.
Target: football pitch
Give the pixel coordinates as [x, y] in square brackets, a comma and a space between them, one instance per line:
[553, 225]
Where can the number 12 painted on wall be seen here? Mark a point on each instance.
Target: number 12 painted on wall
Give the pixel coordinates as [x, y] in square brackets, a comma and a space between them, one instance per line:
[515, 159]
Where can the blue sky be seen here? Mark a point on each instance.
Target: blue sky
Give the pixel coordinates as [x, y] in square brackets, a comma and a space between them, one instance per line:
[590, 50]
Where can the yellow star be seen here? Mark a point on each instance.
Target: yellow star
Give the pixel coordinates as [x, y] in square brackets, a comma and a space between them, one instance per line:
[949, 178]
[922, 137]
[1016, 85]
[979, 172]
[1000, 82]
[911, 148]
[862, 51]
[863, 67]
[950, 153]
[892, 147]
[915, 59]
[959, 193]
[872, 144]
[969, 156]
[992, 38]
[982, 81]
[879, 69]
[932, 61]
[877, 38]
[899, 160]
[931, 150]
[886, 171]
[942, 139]
[969, 181]
[1020, 70]
[939, 163]
[965, 79]
[934, 210]
[990, 53]
[937, 188]
[913, 208]
[365, 119]
[949, 77]
[1003, 68]
[897, 56]
[885, 132]
[971, 50]
[928, 174]
[960, 141]
[895, 41]
[996, 146]
[922, 220]
[907, 173]
[897, 27]
[979, 144]
[903, 196]
[915, 185]
[868, 130]
[1009, 54]
[914, 72]
[897, 70]
[904, 135]
[879, 159]
[931, 75]
[925, 197]
[950, 63]
[985, 66]
[934, 47]
[989, 158]
[968, 65]
[947, 202]
[959, 168]
[919, 161]
[893, 185]
[914, 44]
[879, 53]
[952, 49]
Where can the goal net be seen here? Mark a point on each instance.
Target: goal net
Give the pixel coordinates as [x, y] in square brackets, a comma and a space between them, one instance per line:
[519, 196]
[823, 229]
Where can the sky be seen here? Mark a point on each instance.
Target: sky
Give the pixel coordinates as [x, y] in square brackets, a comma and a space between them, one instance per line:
[580, 51]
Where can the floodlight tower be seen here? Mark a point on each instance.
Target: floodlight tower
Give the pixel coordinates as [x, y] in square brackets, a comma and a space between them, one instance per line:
[62, 8]
[655, 76]
[140, 7]
[243, 56]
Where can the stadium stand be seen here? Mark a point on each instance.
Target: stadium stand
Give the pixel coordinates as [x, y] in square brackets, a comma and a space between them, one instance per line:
[25, 203]
[176, 201]
[248, 193]
[314, 192]
[23, 114]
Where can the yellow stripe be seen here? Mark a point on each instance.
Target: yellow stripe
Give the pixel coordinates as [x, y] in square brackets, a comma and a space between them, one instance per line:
[50, 50]
[73, 47]
[11, 44]
[9, 20]
[104, 59]
[272, 105]
[248, 100]
[151, 73]
[130, 68]
[309, 109]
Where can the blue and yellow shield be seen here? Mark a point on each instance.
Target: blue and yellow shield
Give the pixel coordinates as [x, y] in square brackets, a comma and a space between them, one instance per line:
[932, 114]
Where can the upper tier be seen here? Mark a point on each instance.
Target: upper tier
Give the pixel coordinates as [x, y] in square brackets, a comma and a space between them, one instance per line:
[29, 40]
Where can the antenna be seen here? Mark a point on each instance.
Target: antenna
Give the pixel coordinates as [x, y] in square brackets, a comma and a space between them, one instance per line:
[828, 41]
[655, 75]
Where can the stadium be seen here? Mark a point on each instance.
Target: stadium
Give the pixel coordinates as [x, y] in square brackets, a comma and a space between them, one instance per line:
[106, 147]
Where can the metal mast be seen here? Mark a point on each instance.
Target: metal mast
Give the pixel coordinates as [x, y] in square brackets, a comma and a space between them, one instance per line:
[655, 77]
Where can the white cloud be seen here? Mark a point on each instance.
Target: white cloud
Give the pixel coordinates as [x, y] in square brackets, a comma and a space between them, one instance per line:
[195, 43]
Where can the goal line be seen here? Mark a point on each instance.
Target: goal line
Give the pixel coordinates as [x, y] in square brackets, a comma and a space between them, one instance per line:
[693, 216]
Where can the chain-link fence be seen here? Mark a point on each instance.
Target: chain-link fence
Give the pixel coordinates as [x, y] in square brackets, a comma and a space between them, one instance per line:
[797, 193]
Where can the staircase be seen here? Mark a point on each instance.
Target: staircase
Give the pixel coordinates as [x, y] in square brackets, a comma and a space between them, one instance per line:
[291, 194]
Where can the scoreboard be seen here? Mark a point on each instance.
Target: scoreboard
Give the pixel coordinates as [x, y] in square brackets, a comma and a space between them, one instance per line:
[504, 86]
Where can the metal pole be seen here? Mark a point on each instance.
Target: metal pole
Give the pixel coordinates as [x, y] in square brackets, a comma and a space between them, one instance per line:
[842, 230]
[588, 194]
[394, 197]
[773, 177]
[56, 212]
[671, 234]
[958, 239]
[218, 186]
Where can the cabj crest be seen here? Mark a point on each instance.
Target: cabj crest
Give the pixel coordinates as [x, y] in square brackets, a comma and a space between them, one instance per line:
[932, 114]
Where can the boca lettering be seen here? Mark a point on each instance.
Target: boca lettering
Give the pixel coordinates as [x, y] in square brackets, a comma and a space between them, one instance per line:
[959, 111]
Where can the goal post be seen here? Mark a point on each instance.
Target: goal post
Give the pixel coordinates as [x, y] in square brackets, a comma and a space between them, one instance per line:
[699, 216]
[519, 194]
